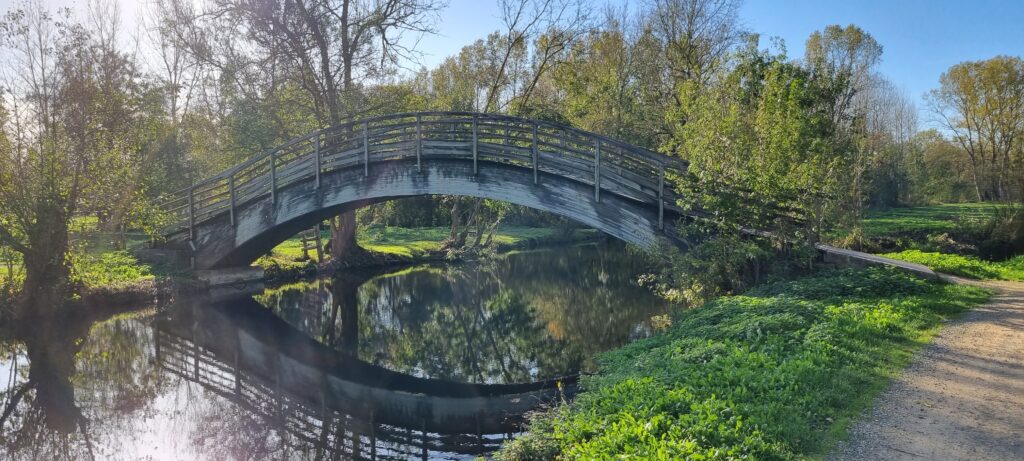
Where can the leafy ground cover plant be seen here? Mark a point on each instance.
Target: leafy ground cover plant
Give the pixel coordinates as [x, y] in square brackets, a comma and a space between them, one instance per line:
[776, 373]
[966, 266]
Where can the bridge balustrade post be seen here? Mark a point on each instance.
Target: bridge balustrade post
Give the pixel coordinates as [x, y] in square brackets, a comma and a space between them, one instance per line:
[316, 155]
[366, 150]
[419, 143]
[231, 191]
[475, 145]
[597, 170]
[273, 176]
[535, 155]
[661, 197]
[191, 213]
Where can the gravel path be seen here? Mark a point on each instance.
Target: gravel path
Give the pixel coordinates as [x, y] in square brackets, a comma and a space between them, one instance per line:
[962, 398]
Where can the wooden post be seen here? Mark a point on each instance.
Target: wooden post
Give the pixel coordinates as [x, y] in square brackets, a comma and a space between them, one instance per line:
[373, 438]
[238, 374]
[191, 213]
[191, 227]
[661, 197]
[534, 152]
[475, 144]
[231, 189]
[366, 150]
[319, 243]
[316, 156]
[424, 439]
[597, 170]
[419, 144]
[273, 176]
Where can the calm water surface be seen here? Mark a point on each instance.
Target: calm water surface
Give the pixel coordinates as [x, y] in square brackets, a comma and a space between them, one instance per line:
[433, 361]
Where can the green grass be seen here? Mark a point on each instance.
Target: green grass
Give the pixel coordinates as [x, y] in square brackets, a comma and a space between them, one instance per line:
[110, 269]
[777, 373]
[922, 221]
[966, 266]
[97, 261]
[410, 243]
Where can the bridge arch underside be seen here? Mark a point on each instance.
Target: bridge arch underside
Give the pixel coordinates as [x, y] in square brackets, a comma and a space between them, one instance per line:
[262, 224]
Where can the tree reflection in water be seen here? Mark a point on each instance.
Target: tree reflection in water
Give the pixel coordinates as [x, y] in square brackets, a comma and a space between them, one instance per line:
[516, 318]
[97, 386]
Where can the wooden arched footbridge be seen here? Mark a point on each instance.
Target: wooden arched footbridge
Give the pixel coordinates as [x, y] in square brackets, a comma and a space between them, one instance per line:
[237, 215]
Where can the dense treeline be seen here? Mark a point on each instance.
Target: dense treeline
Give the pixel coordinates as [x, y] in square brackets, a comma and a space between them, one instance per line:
[102, 122]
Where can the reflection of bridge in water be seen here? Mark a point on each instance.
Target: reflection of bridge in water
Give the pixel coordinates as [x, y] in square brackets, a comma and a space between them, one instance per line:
[331, 404]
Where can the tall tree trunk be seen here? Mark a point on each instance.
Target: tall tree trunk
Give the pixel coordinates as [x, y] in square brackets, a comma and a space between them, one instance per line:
[343, 235]
[46, 268]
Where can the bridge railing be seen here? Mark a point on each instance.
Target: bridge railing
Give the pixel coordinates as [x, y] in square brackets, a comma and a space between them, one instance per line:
[545, 148]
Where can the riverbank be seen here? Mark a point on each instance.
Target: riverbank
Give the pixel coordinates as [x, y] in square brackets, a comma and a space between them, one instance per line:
[777, 373]
[103, 272]
[396, 246]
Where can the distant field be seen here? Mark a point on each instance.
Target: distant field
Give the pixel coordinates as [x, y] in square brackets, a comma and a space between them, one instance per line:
[926, 220]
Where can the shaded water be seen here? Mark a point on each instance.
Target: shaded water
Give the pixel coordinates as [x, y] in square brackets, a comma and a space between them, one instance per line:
[434, 361]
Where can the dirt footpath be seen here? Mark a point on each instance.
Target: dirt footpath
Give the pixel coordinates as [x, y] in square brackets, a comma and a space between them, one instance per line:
[962, 398]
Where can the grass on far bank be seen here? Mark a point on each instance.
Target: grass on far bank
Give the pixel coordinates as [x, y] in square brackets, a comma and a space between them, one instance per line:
[96, 260]
[966, 266]
[921, 221]
[777, 373]
[410, 242]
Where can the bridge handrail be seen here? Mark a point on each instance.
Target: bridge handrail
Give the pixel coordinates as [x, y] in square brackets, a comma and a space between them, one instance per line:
[552, 148]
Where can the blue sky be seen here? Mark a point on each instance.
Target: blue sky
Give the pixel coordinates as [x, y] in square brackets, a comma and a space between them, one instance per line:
[921, 39]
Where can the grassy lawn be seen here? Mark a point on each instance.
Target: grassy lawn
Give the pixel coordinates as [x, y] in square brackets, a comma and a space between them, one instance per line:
[966, 266]
[777, 373]
[924, 220]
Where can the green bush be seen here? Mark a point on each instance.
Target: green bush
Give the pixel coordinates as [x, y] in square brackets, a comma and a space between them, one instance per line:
[774, 374]
[112, 268]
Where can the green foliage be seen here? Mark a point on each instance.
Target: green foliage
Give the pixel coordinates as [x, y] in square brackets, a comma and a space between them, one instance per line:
[108, 269]
[981, 104]
[760, 148]
[967, 266]
[774, 374]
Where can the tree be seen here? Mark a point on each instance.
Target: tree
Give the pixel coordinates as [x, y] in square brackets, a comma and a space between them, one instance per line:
[326, 48]
[842, 60]
[62, 111]
[981, 103]
[761, 157]
[888, 125]
[938, 170]
[502, 74]
[611, 82]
